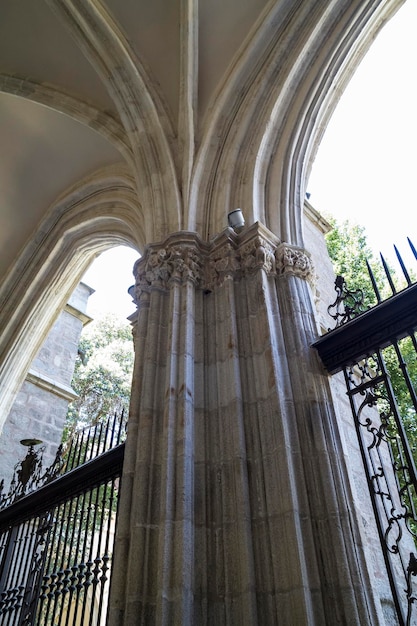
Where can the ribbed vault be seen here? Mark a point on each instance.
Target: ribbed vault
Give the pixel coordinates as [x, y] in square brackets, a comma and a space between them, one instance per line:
[250, 143]
[144, 124]
[199, 131]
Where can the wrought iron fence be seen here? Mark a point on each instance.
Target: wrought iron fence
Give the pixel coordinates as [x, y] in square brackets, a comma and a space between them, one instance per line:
[377, 351]
[91, 441]
[57, 533]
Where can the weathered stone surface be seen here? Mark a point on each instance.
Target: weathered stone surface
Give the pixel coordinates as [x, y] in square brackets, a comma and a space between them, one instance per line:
[41, 405]
[133, 120]
[231, 507]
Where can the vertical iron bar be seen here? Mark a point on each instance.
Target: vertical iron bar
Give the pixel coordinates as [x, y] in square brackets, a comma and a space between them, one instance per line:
[33, 584]
[51, 572]
[12, 574]
[106, 557]
[61, 551]
[93, 443]
[388, 274]
[46, 580]
[14, 583]
[373, 281]
[113, 430]
[87, 444]
[413, 250]
[90, 562]
[51, 578]
[7, 555]
[74, 445]
[56, 570]
[97, 560]
[27, 554]
[69, 550]
[102, 439]
[80, 447]
[75, 448]
[83, 566]
[413, 341]
[106, 434]
[121, 425]
[73, 559]
[401, 262]
[66, 551]
[18, 571]
[26, 563]
[406, 375]
[397, 418]
[4, 536]
[6, 566]
[69, 452]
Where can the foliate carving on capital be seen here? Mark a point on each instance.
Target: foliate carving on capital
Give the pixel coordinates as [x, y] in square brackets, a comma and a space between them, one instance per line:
[258, 254]
[222, 263]
[232, 261]
[185, 264]
[295, 261]
[162, 265]
[208, 265]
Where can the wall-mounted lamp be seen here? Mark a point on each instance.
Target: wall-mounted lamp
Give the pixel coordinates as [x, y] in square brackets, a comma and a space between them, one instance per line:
[131, 292]
[236, 220]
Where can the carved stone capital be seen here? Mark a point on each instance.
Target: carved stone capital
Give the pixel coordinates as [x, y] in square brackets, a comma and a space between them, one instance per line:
[256, 254]
[170, 261]
[232, 255]
[184, 257]
[295, 261]
[222, 262]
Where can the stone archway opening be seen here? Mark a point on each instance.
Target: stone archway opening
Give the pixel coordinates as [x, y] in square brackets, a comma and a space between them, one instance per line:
[40, 405]
[103, 369]
[363, 167]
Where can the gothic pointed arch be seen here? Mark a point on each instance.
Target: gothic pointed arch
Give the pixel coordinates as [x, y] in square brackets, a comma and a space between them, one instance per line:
[140, 107]
[269, 113]
[96, 214]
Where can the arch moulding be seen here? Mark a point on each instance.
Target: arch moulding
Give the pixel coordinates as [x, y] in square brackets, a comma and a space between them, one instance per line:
[100, 213]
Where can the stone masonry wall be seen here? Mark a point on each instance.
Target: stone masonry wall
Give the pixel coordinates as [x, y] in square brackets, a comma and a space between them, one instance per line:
[315, 227]
[41, 405]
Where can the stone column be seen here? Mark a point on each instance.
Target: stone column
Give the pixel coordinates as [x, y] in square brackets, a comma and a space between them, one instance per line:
[234, 505]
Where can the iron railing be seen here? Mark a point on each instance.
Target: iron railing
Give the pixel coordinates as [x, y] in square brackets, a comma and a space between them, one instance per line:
[84, 445]
[91, 441]
[377, 350]
[56, 541]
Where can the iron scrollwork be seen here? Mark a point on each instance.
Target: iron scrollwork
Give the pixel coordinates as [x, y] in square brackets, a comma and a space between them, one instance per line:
[28, 474]
[348, 304]
[389, 466]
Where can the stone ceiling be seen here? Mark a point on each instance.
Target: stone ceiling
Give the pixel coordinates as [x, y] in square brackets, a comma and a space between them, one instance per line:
[43, 151]
[61, 74]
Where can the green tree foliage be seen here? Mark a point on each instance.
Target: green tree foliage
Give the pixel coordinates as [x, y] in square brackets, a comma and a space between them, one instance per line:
[103, 373]
[349, 250]
[406, 354]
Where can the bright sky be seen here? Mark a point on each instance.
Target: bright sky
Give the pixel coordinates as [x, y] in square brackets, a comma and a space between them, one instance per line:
[111, 275]
[365, 168]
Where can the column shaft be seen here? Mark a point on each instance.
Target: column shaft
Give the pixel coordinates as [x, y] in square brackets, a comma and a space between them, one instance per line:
[234, 503]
